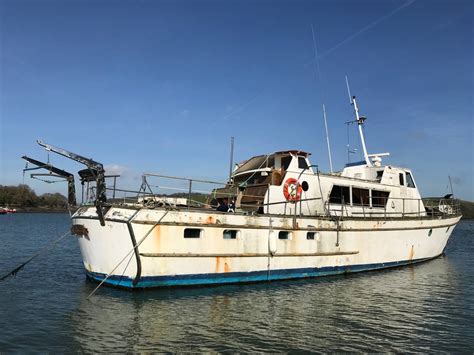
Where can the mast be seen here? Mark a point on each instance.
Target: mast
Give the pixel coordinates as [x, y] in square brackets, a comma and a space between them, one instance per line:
[360, 122]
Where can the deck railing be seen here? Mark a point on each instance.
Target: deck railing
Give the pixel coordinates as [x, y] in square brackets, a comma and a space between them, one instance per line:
[196, 196]
[431, 207]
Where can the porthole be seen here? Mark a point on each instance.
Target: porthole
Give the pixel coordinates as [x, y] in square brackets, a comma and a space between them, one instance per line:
[305, 186]
[430, 232]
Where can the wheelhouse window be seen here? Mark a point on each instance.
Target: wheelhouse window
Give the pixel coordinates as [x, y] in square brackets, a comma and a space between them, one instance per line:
[230, 234]
[401, 179]
[302, 164]
[285, 162]
[339, 194]
[410, 182]
[379, 174]
[379, 198]
[360, 197]
[192, 233]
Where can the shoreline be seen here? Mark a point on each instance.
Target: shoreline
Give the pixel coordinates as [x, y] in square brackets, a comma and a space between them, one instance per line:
[40, 210]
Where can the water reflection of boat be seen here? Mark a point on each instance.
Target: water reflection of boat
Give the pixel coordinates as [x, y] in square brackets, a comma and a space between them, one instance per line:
[378, 308]
[278, 217]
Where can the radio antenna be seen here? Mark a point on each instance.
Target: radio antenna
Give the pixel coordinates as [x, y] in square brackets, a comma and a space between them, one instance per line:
[360, 122]
[316, 56]
[231, 157]
[348, 90]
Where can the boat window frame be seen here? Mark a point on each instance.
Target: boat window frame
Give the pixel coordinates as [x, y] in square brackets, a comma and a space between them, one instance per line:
[190, 236]
[338, 199]
[362, 197]
[304, 161]
[287, 234]
[232, 235]
[284, 166]
[410, 181]
[401, 179]
[372, 198]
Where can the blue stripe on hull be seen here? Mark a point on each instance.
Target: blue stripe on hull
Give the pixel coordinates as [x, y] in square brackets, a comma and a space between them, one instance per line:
[236, 277]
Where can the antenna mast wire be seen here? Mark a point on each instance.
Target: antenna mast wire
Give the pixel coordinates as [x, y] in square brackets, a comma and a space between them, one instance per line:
[316, 56]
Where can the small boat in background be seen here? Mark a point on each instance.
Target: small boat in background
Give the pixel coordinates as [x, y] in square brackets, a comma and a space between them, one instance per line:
[6, 210]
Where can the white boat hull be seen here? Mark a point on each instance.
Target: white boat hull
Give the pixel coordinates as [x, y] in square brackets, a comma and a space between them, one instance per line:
[134, 250]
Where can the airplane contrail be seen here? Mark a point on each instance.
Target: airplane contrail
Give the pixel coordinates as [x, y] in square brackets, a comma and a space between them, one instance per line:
[366, 28]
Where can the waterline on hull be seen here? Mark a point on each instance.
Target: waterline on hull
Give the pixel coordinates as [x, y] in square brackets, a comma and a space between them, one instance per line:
[242, 277]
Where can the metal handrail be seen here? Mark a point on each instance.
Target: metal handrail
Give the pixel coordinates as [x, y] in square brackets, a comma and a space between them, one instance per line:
[432, 207]
[186, 179]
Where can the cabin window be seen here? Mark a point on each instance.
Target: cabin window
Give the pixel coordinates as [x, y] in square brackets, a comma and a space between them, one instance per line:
[302, 164]
[284, 235]
[360, 197]
[339, 194]
[410, 182]
[271, 161]
[310, 235]
[230, 234]
[285, 162]
[379, 174]
[192, 233]
[402, 182]
[379, 198]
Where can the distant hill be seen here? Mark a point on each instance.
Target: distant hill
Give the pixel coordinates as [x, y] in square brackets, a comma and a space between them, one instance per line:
[467, 208]
[24, 198]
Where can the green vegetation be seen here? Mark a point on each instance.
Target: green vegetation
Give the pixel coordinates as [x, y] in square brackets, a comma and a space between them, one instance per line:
[22, 196]
[467, 208]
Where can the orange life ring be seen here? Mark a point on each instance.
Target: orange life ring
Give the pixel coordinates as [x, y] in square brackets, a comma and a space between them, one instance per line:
[292, 190]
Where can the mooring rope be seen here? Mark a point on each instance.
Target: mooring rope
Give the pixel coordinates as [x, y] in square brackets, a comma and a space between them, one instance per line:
[41, 251]
[121, 261]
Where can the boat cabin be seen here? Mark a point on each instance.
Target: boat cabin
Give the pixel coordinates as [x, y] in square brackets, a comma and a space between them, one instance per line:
[285, 183]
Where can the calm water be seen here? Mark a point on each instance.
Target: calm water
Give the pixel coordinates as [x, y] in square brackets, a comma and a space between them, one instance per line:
[428, 307]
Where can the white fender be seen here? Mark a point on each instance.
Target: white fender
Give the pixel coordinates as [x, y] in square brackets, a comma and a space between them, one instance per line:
[272, 242]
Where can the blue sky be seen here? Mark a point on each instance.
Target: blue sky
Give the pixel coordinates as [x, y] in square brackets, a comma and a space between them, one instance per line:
[160, 86]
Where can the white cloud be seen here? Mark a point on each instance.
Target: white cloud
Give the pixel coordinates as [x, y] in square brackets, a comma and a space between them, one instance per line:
[114, 169]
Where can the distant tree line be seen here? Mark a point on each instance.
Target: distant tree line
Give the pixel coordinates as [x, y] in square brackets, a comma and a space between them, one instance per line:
[24, 196]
